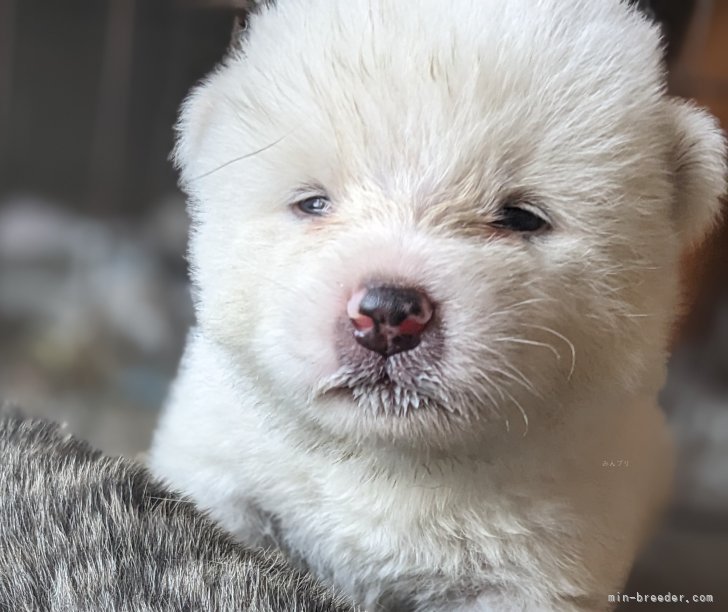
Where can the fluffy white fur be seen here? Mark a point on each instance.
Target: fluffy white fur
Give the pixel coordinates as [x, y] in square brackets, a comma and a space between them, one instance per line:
[477, 481]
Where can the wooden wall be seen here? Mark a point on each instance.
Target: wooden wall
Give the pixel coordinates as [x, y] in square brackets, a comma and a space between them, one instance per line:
[701, 72]
[89, 91]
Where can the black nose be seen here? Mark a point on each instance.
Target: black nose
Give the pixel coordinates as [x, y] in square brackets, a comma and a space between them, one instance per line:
[389, 319]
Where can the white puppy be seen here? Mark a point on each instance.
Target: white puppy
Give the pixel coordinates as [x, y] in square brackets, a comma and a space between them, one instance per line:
[435, 255]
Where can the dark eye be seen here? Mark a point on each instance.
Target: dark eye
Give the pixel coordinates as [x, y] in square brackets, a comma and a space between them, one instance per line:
[316, 205]
[517, 219]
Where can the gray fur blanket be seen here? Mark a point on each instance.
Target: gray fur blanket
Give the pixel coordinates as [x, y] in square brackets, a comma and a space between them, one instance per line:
[84, 532]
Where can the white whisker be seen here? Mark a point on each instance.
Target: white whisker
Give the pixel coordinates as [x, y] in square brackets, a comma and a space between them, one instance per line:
[531, 342]
[524, 416]
[562, 337]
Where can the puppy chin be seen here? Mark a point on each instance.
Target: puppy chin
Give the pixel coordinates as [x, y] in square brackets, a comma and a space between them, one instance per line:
[430, 428]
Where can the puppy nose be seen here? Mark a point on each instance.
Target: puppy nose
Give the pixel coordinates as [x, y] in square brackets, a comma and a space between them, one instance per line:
[389, 319]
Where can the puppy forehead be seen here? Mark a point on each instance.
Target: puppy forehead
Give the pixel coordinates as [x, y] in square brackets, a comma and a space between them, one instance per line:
[448, 79]
[498, 50]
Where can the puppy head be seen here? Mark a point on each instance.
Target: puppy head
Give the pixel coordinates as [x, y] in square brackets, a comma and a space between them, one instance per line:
[430, 224]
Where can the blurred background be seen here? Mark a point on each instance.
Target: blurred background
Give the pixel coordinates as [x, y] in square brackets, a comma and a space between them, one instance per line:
[94, 300]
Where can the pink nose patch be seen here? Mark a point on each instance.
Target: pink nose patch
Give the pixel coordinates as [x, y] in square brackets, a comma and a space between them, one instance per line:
[360, 321]
[411, 326]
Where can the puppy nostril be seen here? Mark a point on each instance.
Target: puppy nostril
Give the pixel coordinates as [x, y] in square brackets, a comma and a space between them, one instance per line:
[389, 319]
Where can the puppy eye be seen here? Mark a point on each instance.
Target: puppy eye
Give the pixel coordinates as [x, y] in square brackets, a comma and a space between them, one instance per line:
[316, 205]
[517, 219]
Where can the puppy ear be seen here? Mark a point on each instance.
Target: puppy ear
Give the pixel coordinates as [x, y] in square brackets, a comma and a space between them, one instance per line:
[236, 38]
[239, 23]
[198, 107]
[243, 9]
[699, 170]
[193, 119]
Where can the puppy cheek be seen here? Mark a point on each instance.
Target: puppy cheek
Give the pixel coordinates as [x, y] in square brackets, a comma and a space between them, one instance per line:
[296, 338]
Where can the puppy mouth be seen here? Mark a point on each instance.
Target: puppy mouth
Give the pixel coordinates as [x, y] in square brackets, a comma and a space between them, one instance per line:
[382, 396]
[398, 385]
